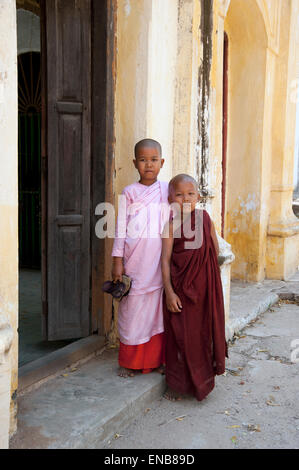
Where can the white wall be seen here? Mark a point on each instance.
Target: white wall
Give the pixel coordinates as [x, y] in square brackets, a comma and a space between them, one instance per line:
[145, 82]
[161, 59]
[8, 199]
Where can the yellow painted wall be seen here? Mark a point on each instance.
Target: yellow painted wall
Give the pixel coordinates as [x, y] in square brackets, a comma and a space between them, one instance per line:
[261, 122]
[216, 113]
[159, 54]
[145, 82]
[185, 124]
[245, 226]
[283, 230]
[146, 57]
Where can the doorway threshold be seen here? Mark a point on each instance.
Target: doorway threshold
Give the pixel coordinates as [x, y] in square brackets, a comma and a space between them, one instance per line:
[40, 370]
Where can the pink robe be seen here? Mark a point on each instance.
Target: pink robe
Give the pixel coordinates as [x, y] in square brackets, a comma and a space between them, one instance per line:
[140, 314]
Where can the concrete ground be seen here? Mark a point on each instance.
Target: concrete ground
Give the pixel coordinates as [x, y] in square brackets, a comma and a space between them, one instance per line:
[252, 406]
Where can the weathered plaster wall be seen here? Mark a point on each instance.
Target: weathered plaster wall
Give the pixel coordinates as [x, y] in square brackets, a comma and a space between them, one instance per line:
[263, 54]
[216, 98]
[145, 83]
[207, 158]
[162, 59]
[185, 126]
[162, 91]
[283, 231]
[145, 88]
[9, 183]
[246, 222]
[204, 158]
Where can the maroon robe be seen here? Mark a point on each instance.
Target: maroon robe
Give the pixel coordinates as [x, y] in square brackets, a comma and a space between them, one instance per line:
[195, 337]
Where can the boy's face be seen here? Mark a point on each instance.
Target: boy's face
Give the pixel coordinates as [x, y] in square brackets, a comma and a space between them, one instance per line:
[148, 163]
[185, 194]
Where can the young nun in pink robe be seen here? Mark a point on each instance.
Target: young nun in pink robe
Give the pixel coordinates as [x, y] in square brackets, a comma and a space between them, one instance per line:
[137, 253]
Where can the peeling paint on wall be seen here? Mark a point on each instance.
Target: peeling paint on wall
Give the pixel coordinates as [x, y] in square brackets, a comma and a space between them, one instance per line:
[127, 7]
[206, 28]
[250, 204]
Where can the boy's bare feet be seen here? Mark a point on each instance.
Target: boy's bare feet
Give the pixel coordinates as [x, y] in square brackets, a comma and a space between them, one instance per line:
[123, 372]
[172, 395]
[161, 370]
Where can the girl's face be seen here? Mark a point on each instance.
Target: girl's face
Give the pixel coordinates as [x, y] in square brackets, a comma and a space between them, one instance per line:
[148, 163]
[185, 194]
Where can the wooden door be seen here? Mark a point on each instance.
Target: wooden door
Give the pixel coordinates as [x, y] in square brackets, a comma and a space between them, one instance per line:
[68, 64]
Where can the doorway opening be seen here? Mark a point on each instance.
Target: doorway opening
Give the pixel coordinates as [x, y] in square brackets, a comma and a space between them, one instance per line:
[32, 345]
[66, 137]
[63, 149]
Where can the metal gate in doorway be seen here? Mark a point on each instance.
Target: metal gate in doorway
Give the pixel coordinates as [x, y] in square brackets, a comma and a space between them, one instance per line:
[29, 152]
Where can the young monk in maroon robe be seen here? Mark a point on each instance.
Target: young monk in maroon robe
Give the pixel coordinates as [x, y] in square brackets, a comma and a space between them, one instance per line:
[193, 300]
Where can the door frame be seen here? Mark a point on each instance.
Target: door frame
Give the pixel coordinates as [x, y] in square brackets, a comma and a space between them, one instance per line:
[44, 169]
[102, 143]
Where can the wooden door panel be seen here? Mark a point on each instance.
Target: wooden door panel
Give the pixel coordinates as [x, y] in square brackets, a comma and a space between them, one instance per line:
[70, 139]
[68, 89]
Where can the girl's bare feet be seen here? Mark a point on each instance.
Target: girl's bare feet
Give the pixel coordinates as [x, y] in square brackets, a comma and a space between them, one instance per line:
[123, 372]
[172, 395]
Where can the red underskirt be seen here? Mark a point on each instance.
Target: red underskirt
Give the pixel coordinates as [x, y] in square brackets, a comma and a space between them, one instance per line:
[144, 357]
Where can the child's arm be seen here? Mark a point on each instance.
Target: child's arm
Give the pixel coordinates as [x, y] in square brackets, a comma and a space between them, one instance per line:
[119, 244]
[117, 268]
[214, 238]
[172, 300]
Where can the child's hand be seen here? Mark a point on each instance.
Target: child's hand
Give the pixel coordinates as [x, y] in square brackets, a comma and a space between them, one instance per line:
[117, 269]
[173, 303]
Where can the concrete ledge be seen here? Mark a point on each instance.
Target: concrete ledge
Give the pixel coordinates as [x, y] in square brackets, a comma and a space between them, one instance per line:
[38, 370]
[290, 290]
[123, 412]
[84, 408]
[236, 324]
[248, 301]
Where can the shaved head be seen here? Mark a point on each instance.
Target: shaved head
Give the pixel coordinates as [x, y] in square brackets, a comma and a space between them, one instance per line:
[148, 143]
[182, 178]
